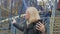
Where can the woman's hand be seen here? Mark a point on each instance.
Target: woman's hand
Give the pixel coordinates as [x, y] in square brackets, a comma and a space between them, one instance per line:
[14, 21]
[40, 27]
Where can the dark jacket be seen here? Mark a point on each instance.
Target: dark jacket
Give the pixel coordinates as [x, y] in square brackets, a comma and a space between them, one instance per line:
[28, 30]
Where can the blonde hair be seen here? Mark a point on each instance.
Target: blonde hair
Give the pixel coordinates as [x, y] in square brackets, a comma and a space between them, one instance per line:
[33, 14]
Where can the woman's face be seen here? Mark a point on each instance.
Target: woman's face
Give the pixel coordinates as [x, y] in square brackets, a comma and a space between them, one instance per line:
[27, 16]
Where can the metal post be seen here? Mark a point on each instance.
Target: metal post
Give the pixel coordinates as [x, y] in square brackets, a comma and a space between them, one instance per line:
[53, 17]
[24, 3]
[12, 27]
[0, 12]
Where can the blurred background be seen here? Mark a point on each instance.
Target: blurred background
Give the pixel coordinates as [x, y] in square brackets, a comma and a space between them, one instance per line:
[13, 9]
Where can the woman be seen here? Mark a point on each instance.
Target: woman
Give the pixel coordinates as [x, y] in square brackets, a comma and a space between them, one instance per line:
[33, 25]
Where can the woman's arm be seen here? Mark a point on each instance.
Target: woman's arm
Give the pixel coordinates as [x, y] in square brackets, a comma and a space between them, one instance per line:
[20, 27]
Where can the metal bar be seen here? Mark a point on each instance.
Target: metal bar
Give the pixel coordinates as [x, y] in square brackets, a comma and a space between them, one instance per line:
[7, 19]
[14, 15]
[53, 19]
[0, 12]
[11, 26]
[24, 3]
[3, 28]
[11, 5]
